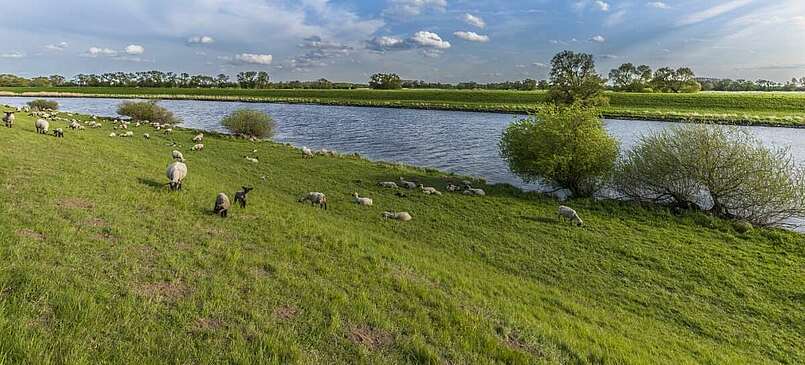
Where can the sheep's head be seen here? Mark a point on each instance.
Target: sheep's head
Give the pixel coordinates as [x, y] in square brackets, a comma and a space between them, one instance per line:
[246, 189]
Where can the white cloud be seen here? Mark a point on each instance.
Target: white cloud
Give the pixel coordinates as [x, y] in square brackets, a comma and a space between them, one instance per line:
[472, 37]
[539, 64]
[200, 39]
[134, 49]
[254, 59]
[61, 46]
[97, 51]
[712, 12]
[404, 8]
[12, 55]
[603, 6]
[598, 39]
[429, 40]
[658, 5]
[473, 20]
[387, 43]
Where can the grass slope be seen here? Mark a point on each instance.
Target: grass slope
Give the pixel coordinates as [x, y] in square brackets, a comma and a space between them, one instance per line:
[99, 263]
[780, 109]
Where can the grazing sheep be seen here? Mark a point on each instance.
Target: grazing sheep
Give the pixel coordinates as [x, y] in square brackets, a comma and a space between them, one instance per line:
[429, 190]
[113, 134]
[74, 125]
[307, 152]
[566, 213]
[251, 159]
[8, 119]
[42, 126]
[315, 198]
[361, 201]
[400, 216]
[453, 188]
[197, 147]
[407, 184]
[58, 132]
[198, 138]
[221, 205]
[176, 155]
[176, 173]
[387, 184]
[146, 136]
[168, 131]
[240, 196]
[476, 192]
[128, 134]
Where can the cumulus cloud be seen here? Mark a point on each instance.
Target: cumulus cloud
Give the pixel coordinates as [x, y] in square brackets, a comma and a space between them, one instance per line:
[658, 5]
[473, 20]
[98, 51]
[200, 39]
[420, 40]
[12, 55]
[598, 39]
[319, 53]
[472, 37]
[603, 6]
[134, 49]
[429, 40]
[253, 59]
[400, 8]
[61, 46]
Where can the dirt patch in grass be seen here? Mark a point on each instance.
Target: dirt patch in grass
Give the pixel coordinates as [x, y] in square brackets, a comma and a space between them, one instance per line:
[286, 312]
[29, 233]
[371, 337]
[75, 203]
[515, 342]
[95, 222]
[167, 292]
[207, 325]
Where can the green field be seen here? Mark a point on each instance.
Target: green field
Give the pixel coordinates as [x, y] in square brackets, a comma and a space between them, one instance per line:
[782, 109]
[100, 263]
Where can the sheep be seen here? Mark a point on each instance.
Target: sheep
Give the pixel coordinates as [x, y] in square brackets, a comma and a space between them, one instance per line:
[176, 173]
[407, 184]
[307, 152]
[315, 198]
[240, 196]
[198, 138]
[146, 136]
[58, 133]
[429, 190]
[566, 213]
[251, 159]
[8, 119]
[176, 155]
[221, 205]
[197, 147]
[128, 134]
[113, 134]
[400, 216]
[476, 192]
[387, 184]
[361, 201]
[168, 131]
[453, 188]
[42, 126]
[74, 125]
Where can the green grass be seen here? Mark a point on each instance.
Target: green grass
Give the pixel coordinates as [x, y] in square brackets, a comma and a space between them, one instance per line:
[779, 109]
[100, 263]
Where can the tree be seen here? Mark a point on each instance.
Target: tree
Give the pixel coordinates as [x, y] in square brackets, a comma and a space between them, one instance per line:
[574, 80]
[56, 80]
[682, 79]
[723, 170]
[566, 147]
[383, 81]
[262, 80]
[627, 77]
[247, 80]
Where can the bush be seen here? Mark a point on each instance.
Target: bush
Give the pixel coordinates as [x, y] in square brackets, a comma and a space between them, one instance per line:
[723, 170]
[146, 110]
[566, 147]
[251, 123]
[42, 104]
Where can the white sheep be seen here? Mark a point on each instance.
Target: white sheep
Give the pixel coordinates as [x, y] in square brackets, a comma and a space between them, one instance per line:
[113, 134]
[453, 188]
[307, 152]
[176, 155]
[221, 205]
[198, 138]
[176, 173]
[429, 190]
[315, 198]
[476, 192]
[400, 216]
[74, 125]
[197, 147]
[42, 126]
[566, 213]
[387, 184]
[252, 159]
[168, 131]
[128, 134]
[407, 184]
[146, 136]
[361, 201]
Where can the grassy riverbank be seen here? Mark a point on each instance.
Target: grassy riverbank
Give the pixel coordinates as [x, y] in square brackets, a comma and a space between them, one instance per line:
[783, 109]
[99, 262]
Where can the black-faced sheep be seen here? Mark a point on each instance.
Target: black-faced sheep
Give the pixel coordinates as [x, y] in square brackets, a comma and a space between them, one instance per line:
[198, 138]
[315, 198]
[566, 213]
[176, 155]
[176, 173]
[240, 196]
[197, 147]
[221, 205]
[8, 119]
[58, 133]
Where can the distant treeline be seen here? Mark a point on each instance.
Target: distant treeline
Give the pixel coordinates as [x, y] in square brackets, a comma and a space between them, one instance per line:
[748, 85]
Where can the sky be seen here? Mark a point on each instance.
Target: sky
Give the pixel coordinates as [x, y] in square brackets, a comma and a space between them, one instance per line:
[434, 40]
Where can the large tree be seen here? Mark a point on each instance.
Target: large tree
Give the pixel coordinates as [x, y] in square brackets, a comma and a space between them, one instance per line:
[681, 80]
[627, 77]
[575, 81]
[385, 81]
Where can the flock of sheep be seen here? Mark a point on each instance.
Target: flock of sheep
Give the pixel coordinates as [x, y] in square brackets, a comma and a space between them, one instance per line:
[177, 169]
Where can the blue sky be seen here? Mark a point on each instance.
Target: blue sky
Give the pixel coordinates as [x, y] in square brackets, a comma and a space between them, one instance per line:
[437, 40]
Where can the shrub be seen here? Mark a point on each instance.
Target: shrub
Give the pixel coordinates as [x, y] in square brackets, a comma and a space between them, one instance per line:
[42, 104]
[566, 147]
[146, 110]
[723, 170]
[251, 123]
